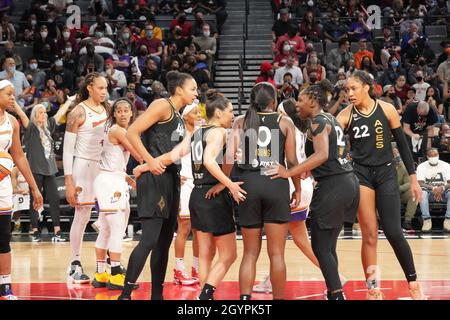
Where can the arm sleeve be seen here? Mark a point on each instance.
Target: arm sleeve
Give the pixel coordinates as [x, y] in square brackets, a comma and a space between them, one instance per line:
[70, 139]
[404, 150]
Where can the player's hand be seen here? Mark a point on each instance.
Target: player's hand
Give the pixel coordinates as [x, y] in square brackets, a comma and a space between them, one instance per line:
[38, 201]
[183, 179]
[71, 195]
[277, 171]
[156, 166]
[140, 169]
[296, 198]
[237, 192]
[305, 175]
[214, 191]
[239, 157]
[416, 191]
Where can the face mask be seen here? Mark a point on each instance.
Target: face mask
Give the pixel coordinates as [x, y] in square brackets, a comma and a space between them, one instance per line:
[419, 79]
[394, 64]
[312, 80]
[286, 47]
[206, 33]
[58, 63]
[143, 52]
[99, 34]
[433, 160]
[68, 49]
[66, 35]
[310, 3]
[50, 20]
[12, 69]
[149, 33]
[366, 64]
[33, 22]
[126, 36]
[44, 34]
[33, 66]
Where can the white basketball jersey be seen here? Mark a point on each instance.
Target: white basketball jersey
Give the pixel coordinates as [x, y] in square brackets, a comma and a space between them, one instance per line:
[21, 182]
[300, 140]
[91, 135]
[114, 157]
[6, 133]
[186, 167]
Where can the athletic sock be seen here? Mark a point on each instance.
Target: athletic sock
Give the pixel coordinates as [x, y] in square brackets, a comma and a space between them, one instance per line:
[5, 284]
[179, 264]
[101, 266]
[115, 267]
[207, 292]
[195, 263]
[246, 297]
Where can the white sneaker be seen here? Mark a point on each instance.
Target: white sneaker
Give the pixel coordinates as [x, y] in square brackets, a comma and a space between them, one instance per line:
[447, 225]
[96, 226]
[264, 286]
[427, 225]
[76, 275]
[127, 238]
[356, 230]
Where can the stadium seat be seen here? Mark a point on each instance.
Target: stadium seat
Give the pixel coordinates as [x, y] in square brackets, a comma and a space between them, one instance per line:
[436, 31]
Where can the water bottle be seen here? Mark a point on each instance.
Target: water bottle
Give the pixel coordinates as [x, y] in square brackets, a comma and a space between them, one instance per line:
[130, 230]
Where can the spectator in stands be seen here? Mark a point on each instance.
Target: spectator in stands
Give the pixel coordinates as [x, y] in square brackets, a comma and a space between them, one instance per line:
[38, 75]
[392, 74]
[286, 52]
[358, 28]
[173, 65]
[54, 96]
[41, 41]
[287, 90]
[69, 57]
[362, 52]
[368, 65]
[281, 26]
[18, 79]
[157, 31]
[338, 57]
[139, 104]
[294, 40]
[433, 176]
[98, 7]
[207, 44]
[438, 13]
[154, 45]
[100, 22]
[435, 102]
[52, 27]
[411, 39]
[405, 190]
[120, 10]
[149, 74]
[313, 71]
[401, 87]
[188, 6]
[197, 27]
[419, 49]
[341, 7]
[32, 95]
[309, 28]
[64, 78]
[65, 38]
[389, 96]
[7, 30]
[266, 74]
[418, 124]
[200, 75]
[405, 26]
[166, 7]
[91, 61]
[429, 75]
[10, 53]
[185, 26]
[306, 6]
[442, 141]
[410, 98]
[217, 7]
[126, 42]
[60, 5]
[117, 82]
[443, 69]
[296, 72]
[334, 30]
[30, 29]
[421, 86]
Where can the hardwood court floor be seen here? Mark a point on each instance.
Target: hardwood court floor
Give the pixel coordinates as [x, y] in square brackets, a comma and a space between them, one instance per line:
[39, 272]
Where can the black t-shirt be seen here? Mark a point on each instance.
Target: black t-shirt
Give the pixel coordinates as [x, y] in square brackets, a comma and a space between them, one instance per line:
[418, 123]
[281, 27]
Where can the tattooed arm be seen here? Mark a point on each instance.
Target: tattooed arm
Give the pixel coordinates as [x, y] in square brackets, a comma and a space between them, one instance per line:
[74, 120]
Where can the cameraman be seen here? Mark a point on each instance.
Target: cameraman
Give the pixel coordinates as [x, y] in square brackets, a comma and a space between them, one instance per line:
[287, 90]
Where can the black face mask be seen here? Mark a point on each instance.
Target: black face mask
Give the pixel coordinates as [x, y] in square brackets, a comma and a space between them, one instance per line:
[419, 79]
[422, 63]
[312, 80]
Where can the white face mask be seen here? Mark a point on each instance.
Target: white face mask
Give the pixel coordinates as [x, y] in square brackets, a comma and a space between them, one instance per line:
[68, 49]
[33, 66]
[310, 3]
[33, 22]
[58, 63]
[433, 160]
[206, 33]
[286, 47]
[66, 35]
[44, 34]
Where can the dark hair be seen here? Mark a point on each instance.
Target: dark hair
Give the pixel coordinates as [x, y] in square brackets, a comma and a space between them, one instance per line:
[343, 41]
[436, 95]
[364, 78]
[290, 108]
[111, 119]
[83, 94]
[261, 95]
[176, 79]
[215, 100]
[319, 91]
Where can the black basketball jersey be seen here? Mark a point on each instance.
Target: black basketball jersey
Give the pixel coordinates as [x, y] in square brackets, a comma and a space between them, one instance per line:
[337, 162]
[269, 147]
[370, 137]
[163, 136]
[198, 145]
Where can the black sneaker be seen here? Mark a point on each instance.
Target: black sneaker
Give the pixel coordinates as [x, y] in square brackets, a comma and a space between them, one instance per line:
[36, 237]
[58, 237]
[407, 225]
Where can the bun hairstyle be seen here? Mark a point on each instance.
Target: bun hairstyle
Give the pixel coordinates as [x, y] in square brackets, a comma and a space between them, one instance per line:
[319, 92]
[364, 78]
[215, 100]
[112, 120]
[261, 96]
[176, 79]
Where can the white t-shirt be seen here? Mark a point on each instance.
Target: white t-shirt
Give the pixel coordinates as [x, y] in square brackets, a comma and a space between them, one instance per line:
[297, 75]
[434, 175]
[421, 90]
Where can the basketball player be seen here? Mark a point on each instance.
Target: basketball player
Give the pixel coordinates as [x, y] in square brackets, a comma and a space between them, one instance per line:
[10, 153]
[369, 123]
[158, 191]
[82, 149]
[336, 195]
[191, 115]
[265, 137]
[111, 192]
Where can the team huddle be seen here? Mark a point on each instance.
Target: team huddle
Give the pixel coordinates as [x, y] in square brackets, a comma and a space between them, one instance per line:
[278, 163]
